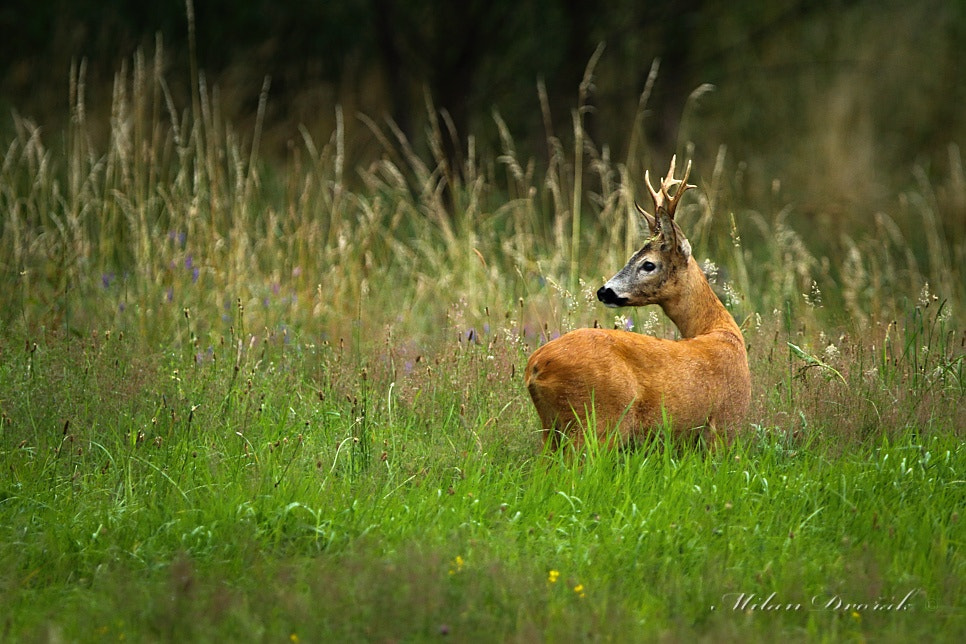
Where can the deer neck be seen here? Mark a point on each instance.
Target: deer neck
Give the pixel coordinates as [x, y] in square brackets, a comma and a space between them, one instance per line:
[695, 309]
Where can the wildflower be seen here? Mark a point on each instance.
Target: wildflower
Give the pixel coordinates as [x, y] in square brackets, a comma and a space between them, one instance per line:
[189, 263]
[622, 322]
[579, 589]
[457, 565]
[831, 352]
[732, 297]
[178, 236]
[710, 270]
[552, 576]
[106, 279]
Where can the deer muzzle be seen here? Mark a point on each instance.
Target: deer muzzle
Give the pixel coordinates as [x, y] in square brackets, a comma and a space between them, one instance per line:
[610, 298]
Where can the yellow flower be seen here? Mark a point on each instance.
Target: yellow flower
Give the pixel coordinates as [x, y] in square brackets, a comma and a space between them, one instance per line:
[552, 576]
[579, 589]
[856, 616]
[294, 638]
[457, 565]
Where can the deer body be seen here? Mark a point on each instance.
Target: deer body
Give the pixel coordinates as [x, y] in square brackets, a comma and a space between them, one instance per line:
[630, 383]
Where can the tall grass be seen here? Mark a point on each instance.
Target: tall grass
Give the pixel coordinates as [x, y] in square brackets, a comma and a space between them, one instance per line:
[178, 211]
[240, 399]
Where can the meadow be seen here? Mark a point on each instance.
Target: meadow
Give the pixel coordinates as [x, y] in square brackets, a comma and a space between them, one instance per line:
[241, 400]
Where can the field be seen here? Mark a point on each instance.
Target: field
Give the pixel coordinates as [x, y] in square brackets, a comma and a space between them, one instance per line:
[242, 401]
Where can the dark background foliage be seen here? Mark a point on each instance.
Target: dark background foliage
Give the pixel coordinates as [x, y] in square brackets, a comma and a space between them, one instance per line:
[839, 99]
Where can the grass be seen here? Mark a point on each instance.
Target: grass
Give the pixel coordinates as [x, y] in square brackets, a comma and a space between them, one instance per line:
[174, 498]
[239, 402]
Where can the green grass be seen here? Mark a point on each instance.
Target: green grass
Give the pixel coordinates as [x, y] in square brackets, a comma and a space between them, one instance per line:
[166, 497]
[239, 401]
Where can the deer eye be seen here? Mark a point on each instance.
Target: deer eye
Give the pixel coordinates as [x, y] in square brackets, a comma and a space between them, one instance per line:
[648, 266]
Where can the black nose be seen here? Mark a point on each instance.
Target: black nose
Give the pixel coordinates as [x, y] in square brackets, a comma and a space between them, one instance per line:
[607, 295]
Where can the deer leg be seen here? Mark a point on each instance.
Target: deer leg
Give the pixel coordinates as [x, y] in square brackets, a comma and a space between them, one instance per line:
[714, 439]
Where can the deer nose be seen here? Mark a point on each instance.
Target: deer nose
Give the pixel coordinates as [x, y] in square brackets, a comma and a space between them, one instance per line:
[607, 295]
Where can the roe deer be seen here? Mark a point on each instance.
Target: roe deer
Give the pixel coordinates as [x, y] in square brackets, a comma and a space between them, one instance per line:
[628, 382]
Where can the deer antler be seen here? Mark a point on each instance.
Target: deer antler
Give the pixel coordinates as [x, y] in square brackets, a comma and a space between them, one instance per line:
[665, 205]
[662, 195]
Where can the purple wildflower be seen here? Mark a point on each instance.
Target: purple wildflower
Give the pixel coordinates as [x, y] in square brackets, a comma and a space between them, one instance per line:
[178, 236]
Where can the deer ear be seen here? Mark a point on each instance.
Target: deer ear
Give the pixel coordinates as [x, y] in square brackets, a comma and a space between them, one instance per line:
[648, 217]
[672, 235]
[685, 247]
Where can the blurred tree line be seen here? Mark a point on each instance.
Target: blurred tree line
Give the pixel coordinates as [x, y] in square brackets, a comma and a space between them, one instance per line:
[380, 54]
[834, 96]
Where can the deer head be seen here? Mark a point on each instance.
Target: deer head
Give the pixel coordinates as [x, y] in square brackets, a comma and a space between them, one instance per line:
[650, 271]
